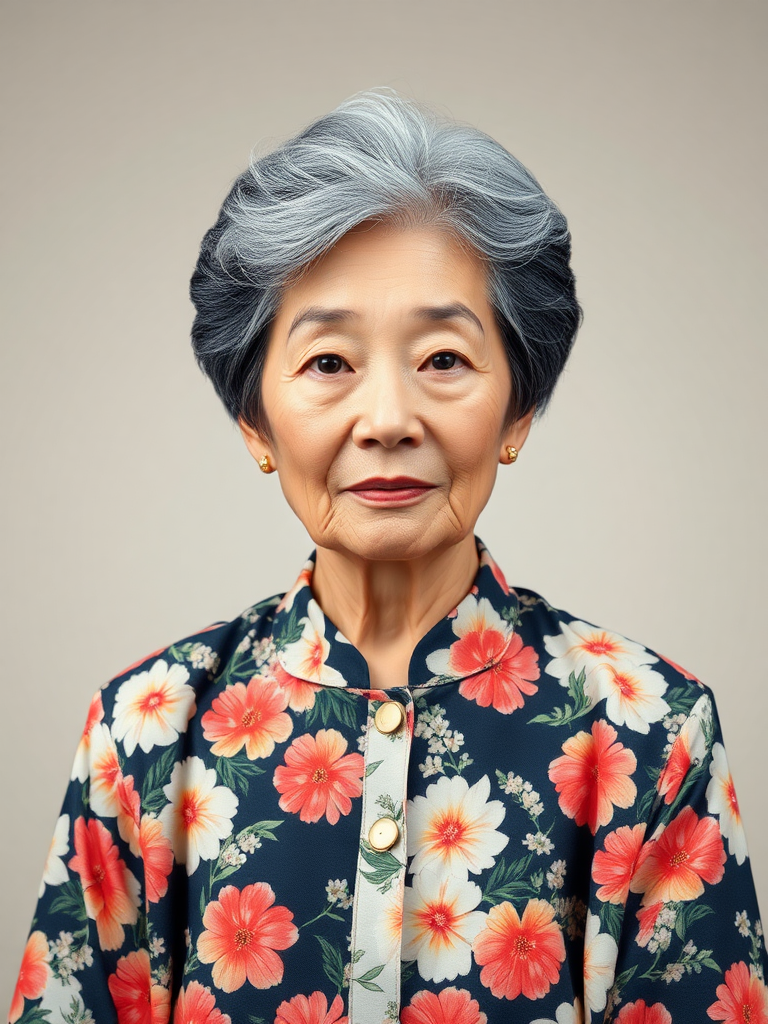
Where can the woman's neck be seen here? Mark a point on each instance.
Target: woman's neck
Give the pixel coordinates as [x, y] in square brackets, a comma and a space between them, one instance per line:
[385, 608]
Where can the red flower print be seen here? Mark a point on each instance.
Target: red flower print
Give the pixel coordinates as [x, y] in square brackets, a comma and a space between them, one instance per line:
[449, 1006]
[639, 1013]
[647, 918]
[110, 891]
[688, 746]
[318, 779]
[512, 669]
[311, 1010]
[252, 716]
[520, 955]
[157, 854]
[743, 998]
[33, 975]
[128, 812]
[688, 853]
[593, 776]
[137, 1000]
[105, 772]
[675, 769]
[300, 694]
[197, 1005]
[495, 669]
[243, 930]
[613, 867]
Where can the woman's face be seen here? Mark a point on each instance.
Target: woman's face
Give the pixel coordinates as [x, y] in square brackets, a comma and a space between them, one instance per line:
[386, 386]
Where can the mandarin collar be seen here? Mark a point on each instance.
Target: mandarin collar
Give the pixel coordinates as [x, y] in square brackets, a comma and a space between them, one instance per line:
[310, 647]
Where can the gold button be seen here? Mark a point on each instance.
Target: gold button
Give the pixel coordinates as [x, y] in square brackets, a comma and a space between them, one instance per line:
[383, 834]
[389, 717]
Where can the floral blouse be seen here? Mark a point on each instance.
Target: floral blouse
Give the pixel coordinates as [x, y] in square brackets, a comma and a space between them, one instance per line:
[540, 828]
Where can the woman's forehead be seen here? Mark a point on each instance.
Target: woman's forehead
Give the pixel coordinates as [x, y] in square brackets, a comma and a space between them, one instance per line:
[418, 271]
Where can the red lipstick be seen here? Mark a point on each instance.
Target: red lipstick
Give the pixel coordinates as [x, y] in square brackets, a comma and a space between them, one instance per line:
[391, 491]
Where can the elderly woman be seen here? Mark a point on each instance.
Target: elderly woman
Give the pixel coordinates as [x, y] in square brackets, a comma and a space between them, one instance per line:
[402, 790]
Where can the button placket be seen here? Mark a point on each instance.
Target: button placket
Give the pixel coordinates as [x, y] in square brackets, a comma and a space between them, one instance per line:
[380, 877]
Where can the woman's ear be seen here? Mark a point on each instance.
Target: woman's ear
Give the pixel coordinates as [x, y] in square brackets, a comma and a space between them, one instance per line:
[257, 446]
[516, 434]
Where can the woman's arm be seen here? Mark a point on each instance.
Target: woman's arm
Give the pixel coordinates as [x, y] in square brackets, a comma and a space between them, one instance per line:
[689, 941]
[94, 947]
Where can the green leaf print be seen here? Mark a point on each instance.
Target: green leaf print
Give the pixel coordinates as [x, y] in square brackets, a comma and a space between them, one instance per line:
[569, 712]
[366, 980]
[385, 866]
[333, 965]
[333, 704]
[292, 632]
[35, 1015]
[407, 969]
[611, 917]
[681, 699]
[69, 900]
[235, 772]
[506, 882]
[687, 913]
[152, 796]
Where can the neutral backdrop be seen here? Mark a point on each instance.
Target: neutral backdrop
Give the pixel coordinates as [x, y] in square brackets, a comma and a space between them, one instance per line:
[133, 514]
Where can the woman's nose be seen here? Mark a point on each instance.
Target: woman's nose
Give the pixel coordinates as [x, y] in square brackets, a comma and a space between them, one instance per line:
[388, 412]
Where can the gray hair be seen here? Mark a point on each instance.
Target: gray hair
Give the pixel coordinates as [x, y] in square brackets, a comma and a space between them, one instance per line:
[379, 156]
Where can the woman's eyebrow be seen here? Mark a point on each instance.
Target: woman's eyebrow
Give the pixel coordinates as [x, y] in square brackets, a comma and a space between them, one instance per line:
[452, 311]
[321, 315]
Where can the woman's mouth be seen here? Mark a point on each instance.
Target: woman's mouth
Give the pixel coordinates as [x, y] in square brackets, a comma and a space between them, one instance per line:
[399, 490]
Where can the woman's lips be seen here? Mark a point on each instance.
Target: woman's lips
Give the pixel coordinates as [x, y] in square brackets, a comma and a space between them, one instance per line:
[401, 490]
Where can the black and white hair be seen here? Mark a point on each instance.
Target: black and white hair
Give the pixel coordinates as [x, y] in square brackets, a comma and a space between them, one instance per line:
[381, 157]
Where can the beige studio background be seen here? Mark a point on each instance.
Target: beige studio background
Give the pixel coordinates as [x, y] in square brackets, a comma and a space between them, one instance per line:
[133, 514]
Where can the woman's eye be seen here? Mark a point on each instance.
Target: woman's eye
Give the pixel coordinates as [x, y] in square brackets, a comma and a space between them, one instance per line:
[443, 360]
[328, 363]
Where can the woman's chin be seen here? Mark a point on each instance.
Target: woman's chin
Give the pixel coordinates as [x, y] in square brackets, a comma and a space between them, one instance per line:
[394, 537]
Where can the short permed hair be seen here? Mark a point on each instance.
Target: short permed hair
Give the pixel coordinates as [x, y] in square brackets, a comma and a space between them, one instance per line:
[381, 157]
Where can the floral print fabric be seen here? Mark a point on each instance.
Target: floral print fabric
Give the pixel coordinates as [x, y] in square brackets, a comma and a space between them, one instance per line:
[567, 844]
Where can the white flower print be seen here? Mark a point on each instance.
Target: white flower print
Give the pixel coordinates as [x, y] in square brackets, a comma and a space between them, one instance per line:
[722, 801]
[440, 923]
[199, 814]
[306, 658]
[104, 771]
[432, 766]
[566, 1013]
[583, 646]
[453, 828]
[673, 972]
[55, 871]
[742, 923]
[555, 877]
[600, 952]
[202, 656]
[337, 890]
[249, 842]
[152, 708]
[632, 694]
[538, 843]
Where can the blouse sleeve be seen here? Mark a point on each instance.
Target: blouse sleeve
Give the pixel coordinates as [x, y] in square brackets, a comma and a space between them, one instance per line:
[94, 946]
[689, 940]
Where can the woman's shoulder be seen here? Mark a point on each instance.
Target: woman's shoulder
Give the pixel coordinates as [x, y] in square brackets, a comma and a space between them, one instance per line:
[640, 685]
[172, 678]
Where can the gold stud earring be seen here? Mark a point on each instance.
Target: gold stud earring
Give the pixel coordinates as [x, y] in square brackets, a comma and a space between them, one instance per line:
[264, 465]
[512, 453]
